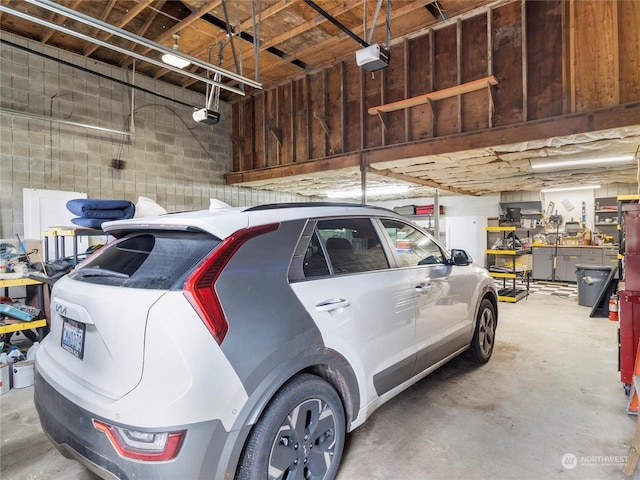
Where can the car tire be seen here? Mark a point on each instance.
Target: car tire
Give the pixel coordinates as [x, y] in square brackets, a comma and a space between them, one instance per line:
[484, 335]
[301, 434]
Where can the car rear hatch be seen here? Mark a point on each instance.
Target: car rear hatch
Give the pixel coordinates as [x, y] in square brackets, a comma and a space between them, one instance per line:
[99, 311]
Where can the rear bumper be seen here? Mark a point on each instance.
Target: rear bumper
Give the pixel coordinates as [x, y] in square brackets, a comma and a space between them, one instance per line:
[208, 451]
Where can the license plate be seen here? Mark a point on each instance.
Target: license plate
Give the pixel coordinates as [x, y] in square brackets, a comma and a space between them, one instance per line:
[73, 337]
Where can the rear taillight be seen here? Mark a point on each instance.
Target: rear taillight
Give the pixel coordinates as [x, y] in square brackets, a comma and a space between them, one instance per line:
[146, 446]
[200, 286]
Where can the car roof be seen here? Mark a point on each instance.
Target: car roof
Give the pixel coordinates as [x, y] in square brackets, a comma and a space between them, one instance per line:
[222, 220]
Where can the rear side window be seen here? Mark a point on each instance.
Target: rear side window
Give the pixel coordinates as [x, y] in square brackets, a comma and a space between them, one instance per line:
[151, 260]
[351, 244]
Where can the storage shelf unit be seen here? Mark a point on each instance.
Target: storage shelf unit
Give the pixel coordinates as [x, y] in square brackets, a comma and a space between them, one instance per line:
[10, 325]
[530, 213]
[58, 234]
[622, 200]
[606, 216]
[510, 293]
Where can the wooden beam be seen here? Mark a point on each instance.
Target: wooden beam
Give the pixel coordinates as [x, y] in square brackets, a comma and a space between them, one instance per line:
[59, 21]
[322, 118]
[525, 74]
[278, 39]
[304, 168]
[277, 135]
[437, 95]
[614, 117]
[571, 124]
[131, 14]
[418, 181]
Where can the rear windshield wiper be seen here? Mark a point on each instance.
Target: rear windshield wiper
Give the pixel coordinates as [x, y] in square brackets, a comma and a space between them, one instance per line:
[99, 272]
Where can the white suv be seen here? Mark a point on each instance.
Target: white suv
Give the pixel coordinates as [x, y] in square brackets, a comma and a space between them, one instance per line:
[245, 342]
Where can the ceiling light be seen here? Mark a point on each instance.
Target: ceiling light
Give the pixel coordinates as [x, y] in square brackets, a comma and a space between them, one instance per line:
[174, 60]
[566, 189]
[591, 162]
[357, 193]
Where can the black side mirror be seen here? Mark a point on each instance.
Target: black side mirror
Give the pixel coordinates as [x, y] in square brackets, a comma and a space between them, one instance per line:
[460, 257]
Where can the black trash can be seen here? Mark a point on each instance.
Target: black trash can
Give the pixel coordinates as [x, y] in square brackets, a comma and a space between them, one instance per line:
[591, 281]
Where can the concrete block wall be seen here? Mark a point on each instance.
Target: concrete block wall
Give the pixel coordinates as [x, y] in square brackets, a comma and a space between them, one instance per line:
[171, 159]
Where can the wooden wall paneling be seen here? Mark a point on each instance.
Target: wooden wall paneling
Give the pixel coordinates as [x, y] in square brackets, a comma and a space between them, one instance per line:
[334, 109]
[259, 130]
[459, 70]
[490, 64]
[353, 107]
[285, 116]
[395, 90]
[432, 80]
[474, 63]
[318, 112]
[293, 131]
[545, 58]
[382, 75]
[629, 39]
[248, 135]
[236, 135]
[446, 75]
[566, 58]
[273, 134]
[523, 26]
[372, 97]
[571, 70]
[419, 82]
[405, 87]
[309, 114]
[343, 108]
[507, 63]
[363, 110]
[301, 119]
[596, 54]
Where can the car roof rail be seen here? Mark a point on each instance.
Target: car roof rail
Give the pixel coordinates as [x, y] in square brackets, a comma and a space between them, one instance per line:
[275, 206]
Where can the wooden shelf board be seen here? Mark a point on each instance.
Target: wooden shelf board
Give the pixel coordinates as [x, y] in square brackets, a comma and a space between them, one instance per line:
[434, 96]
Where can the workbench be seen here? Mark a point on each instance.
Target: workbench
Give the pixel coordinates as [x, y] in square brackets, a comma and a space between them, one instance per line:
[567, 259]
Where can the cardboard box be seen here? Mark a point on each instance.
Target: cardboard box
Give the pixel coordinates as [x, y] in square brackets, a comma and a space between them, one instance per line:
[34, 247]
[524, 263]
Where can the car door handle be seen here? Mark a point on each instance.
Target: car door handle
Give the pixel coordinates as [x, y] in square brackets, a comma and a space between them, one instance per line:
[424, 287]
[332, 304]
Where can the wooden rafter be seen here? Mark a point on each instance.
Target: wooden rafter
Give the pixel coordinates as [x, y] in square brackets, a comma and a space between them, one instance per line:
[59, 20]
[248, 52]
[184, 23]
[405, 9]
[131, 14]
[278, 62]
[96, 31]
[419, 181]
[148, 23]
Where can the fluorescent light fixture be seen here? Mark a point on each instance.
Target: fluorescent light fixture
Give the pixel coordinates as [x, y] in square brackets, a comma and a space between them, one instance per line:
[174, 60]
[538, 164]
[566, 189]
[357, 193]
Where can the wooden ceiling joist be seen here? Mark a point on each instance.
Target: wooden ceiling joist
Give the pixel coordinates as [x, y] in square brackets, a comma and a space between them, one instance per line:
[419, 181]
[59, 21]
[131, 14]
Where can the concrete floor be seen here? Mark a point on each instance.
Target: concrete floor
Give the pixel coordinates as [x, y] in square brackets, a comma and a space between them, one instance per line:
[551, 391]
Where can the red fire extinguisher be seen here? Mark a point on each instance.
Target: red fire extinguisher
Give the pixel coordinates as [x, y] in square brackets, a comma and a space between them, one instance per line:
[613, 308]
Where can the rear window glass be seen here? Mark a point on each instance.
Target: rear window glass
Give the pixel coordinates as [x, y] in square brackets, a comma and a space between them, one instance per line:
[152, 260]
